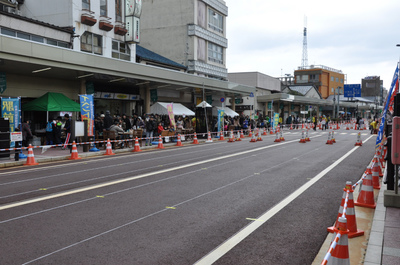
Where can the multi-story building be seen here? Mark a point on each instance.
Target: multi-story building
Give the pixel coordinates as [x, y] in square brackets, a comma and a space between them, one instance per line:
[325, 78]
[90, 47]
[192, 33]
[371, 86]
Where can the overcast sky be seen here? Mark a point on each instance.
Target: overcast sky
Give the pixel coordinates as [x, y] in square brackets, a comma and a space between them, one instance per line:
[355, 36]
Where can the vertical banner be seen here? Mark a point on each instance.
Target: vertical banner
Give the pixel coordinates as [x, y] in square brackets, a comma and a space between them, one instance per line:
[87, 112]
[388, 98]
[10, 109]
[220, 120]
[276, 120]
[170, 108]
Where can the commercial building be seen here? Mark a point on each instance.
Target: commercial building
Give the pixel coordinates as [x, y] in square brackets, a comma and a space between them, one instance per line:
[327, 79]
[84, 47]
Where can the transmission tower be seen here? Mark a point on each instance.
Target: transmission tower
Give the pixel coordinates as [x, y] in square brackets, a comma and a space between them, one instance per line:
[304, 60]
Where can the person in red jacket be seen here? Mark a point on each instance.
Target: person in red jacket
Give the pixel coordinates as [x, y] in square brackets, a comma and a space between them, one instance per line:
[160, 128]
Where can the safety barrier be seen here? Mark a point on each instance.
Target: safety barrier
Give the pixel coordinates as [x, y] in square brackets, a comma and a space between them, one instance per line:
[340, 255]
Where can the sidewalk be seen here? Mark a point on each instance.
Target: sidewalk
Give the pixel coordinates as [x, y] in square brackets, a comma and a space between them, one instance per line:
[379, 245]
[381, 241]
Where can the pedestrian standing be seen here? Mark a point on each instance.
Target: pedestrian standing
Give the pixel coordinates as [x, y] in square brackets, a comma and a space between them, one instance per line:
[150, 126]
[67, 130]
[26, 132]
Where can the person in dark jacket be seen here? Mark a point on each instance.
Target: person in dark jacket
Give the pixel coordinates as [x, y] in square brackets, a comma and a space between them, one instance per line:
[150, 127]
[26, 133]
[108, 120]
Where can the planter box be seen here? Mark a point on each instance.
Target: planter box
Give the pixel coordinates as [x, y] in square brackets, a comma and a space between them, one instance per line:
[120, 30]
[87, 20]
[105, 25]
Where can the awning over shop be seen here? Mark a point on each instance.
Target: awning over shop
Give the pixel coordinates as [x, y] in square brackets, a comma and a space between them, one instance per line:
[227, 111]
[160, 108]
[52, 102]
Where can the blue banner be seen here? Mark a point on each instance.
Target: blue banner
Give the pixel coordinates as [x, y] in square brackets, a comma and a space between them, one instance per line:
[87, 112]
[10, 109]
[220, 120]
[275, 121]
[389, 96]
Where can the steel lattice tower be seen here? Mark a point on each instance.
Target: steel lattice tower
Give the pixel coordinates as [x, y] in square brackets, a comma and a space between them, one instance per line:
[304, 60]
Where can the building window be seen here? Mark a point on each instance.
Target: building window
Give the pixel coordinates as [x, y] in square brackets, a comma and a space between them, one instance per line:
[91, 43]
[215, 21]
[337, 79]
[29, 37]
[118, 11]
[103, 8]
[215, 53]
[86, 4]
[8, 32]
[120, 50]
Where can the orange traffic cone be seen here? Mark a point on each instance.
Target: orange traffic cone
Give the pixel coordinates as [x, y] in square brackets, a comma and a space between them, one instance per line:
[302, 140]
[250, 133]
[366, 195]
[74, 152]
[209, 140]
[329, 139]
[333, 137]
[238, 137]
[375, 174]
[272, 131]
[109, 151]
[253, 139]
[259, 135]
[340, 244]
[221, 137]
[291, 126]
[179, 142]
[195, 141]
[30, 160]
[137, 146]
[264, 132]
[277, 139]
[347, 126]
[241, 134]
[281, 138]
[350, 213]
[231, 138]
[307, 138]
[160, 143]
[358, 142]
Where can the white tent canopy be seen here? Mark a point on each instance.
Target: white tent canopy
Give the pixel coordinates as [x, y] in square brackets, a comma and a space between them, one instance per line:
[203, 104]
[160, 108]
[227, 111]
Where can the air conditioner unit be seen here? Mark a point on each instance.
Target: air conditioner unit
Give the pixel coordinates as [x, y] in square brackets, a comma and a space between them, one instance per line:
[13, 10]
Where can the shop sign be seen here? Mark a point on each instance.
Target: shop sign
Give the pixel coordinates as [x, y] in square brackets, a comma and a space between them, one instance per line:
[209, 99]
[89, 88]
[107, 95]
[121, 96]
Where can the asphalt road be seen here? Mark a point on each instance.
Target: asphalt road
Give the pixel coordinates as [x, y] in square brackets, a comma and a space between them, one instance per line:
[221, 203]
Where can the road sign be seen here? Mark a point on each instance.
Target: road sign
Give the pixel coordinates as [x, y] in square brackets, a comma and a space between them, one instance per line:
[222, 99]
[251, 95]
[351, 91]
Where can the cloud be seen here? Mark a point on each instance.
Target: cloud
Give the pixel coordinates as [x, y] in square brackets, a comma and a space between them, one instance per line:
[355, 36]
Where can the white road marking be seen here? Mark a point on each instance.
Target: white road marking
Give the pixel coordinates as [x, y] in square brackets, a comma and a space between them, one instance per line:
[110, 183]
[230, 243]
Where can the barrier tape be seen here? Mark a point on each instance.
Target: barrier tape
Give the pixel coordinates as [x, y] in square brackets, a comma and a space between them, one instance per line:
[331, 249]
[334, 243]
